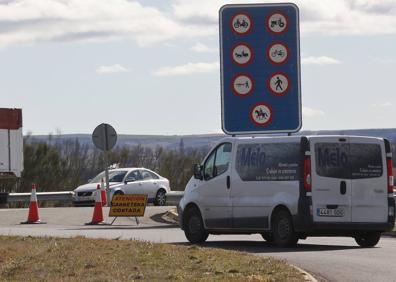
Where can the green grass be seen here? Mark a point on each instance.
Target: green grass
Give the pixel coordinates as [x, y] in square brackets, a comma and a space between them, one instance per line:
[82, 259]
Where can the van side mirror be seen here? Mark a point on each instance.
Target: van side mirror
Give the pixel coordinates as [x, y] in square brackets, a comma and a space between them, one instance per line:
[197, 168]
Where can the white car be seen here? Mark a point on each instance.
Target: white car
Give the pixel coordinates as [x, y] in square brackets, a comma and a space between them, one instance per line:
[126, 181]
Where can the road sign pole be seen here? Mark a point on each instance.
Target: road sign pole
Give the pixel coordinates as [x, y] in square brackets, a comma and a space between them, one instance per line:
[105, 137]
[106, 160]
[107, 163]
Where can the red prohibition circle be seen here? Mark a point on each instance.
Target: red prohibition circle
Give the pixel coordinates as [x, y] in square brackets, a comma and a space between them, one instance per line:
[270, 30]
[241, 14]
[247, 46]
[287, 50]
[268, 121]
[269, 84]
[251, 88]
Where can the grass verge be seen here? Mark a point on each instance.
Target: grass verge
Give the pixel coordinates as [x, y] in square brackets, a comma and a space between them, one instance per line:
[82, 259]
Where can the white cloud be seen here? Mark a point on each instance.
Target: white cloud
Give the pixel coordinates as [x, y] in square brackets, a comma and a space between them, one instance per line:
[312, 113]
[187, 69]
[385, 61]
[382, 105]
[29, 21]
[111, 69]
[322, 60]
[325, 17]
[202, 48]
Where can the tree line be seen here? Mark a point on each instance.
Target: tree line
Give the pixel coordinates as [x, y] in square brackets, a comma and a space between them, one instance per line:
[63, 165]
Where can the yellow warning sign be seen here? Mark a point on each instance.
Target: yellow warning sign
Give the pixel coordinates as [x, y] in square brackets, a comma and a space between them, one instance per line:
[128, 205]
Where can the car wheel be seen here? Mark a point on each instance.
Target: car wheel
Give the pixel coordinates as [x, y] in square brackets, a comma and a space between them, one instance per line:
[269, 237]
[160, 198]
[282, 230]
[368, 240]
[193, 227]
[118, 192]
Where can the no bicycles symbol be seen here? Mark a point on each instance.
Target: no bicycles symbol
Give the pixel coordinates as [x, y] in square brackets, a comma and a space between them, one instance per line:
[241, 23]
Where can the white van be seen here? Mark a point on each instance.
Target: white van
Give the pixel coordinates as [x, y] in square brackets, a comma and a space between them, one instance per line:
[288, 188]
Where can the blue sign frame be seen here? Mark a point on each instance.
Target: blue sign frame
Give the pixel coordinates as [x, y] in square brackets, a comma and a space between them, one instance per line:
[260, 68]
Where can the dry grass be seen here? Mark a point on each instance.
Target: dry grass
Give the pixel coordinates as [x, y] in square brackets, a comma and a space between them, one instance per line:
[81, 259]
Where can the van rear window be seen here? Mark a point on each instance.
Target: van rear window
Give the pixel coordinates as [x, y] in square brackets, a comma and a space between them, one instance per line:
[366, 161]
[268, 162]
[348, 161]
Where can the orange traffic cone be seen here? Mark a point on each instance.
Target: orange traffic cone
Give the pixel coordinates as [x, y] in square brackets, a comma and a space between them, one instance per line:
[97, 216]
[33, 216]
[103, 193]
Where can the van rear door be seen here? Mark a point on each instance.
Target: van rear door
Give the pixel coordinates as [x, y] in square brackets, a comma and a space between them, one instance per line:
[331, 186]
[369, 180]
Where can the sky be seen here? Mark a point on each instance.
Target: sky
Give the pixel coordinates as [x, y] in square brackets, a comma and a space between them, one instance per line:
[152, 67]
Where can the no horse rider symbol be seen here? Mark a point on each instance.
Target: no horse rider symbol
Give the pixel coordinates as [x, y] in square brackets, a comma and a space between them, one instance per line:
[261, 114]
[278, 84]
[241, 24]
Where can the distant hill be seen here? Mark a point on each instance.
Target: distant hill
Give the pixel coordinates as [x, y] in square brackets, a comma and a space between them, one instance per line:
[201, 140]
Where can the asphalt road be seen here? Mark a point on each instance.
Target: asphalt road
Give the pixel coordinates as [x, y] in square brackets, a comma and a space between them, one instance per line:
[328, 259]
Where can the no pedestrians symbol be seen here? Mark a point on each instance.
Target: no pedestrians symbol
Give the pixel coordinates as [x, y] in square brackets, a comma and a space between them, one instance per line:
[278, 84]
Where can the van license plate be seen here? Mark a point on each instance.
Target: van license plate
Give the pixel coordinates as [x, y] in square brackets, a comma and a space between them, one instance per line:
[330, 212]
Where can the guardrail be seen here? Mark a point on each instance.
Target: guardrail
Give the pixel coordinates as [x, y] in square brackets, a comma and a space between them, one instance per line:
[64, 196]
[173, 197]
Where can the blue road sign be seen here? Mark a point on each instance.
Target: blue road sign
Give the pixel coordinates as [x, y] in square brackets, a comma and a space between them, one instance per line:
[260, 68]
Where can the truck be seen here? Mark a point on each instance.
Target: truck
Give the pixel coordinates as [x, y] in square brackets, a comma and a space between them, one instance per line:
[11, 143]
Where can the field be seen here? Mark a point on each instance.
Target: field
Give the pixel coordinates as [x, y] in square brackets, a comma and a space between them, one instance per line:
[81, 259]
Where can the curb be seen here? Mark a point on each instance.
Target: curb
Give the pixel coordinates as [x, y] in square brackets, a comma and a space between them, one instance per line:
[307, 276]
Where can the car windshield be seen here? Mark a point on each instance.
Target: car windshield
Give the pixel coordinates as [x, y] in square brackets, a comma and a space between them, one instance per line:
[114, 176]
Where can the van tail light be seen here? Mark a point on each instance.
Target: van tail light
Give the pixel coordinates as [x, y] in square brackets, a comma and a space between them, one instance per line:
[390, 175]
[307, 173]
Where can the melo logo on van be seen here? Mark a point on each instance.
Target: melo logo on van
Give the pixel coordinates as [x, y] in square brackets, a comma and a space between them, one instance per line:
[334, 158]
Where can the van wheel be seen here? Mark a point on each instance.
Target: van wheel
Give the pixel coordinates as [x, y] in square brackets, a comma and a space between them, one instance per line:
[368, 240]
[160, 198]
[193, 227]
[269, 237]
[282, 230]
